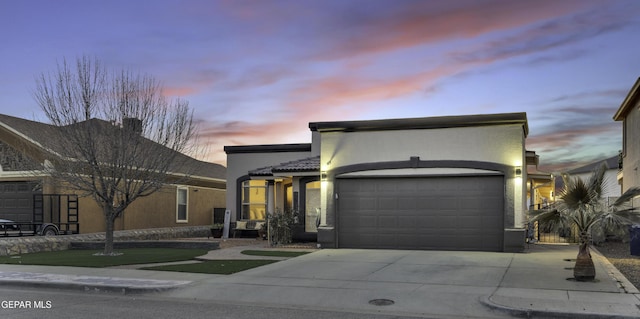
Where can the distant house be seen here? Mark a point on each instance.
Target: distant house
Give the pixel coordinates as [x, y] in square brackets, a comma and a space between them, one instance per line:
[540, 185]
[611, 188]
[25, 146]
[451, 183]
[629, 115]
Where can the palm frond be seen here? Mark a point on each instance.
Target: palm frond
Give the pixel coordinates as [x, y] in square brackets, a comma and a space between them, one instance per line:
[551, 218]
[595, 182]
[632, 215]
[627, 196]
[615, 223]
[576, 194]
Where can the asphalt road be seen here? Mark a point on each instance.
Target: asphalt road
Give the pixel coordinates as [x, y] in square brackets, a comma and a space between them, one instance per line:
[23, 303]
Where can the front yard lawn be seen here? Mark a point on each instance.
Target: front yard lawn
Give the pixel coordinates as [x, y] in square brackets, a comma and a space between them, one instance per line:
[218, 267]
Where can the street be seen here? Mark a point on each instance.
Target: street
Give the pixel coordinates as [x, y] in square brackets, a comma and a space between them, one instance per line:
[23, 303]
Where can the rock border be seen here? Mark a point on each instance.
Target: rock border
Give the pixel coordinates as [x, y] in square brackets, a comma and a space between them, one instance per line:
[31, 244]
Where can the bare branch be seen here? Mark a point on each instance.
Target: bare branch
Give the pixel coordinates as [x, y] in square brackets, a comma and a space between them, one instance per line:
[118, 138]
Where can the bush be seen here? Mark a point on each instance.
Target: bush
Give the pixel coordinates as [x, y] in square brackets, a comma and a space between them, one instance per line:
[280, 228]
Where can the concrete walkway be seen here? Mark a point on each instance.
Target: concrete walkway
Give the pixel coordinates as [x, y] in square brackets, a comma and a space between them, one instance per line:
[417, 283]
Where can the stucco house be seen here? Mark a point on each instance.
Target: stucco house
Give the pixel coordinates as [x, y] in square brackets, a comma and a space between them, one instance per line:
[450, 183]
[25, 146]
[541, 189]
[611, 188]
[629, 115]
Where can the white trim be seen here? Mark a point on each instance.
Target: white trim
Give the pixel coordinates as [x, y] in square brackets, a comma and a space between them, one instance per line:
[414, 172]
[186, 191]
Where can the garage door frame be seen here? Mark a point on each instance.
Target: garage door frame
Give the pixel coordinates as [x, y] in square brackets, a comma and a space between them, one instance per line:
[328, 235]
[442, 212]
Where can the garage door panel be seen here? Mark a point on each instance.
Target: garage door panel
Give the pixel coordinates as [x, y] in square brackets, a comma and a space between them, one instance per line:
[452, 213]
[16, 200]
[388, 203]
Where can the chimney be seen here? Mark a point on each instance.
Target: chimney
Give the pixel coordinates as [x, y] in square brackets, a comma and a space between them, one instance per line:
[133, 124]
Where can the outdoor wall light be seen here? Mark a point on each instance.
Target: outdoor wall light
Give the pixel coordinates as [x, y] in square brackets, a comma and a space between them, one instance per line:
[518, 171]
[323, 176]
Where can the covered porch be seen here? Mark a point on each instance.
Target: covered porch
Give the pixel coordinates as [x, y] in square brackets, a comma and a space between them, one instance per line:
[288, 188]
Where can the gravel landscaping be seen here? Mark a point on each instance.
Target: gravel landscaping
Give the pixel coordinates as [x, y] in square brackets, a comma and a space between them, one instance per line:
[619, 255]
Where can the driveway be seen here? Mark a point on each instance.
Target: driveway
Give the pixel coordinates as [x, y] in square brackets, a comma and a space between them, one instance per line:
[428, 283]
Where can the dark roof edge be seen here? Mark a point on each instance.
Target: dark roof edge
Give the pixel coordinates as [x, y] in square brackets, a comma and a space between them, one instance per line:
[423, 123]
[627, 102]
[612, 163]
[270, 148]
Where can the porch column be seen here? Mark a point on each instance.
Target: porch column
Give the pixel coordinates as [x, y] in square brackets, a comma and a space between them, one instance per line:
[271, 200]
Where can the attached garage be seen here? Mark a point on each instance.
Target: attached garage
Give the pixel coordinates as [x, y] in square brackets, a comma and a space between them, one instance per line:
[440, 213]
[428, 183]
[16, 200]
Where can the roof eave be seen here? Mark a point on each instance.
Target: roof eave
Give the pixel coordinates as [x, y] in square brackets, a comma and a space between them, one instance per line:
[268, 148]
[627, 103]
[424, 123]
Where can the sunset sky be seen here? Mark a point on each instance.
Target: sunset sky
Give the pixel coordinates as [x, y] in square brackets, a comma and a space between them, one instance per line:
[256, 72]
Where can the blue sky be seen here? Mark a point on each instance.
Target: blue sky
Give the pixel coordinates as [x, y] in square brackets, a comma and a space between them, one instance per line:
[256, 72]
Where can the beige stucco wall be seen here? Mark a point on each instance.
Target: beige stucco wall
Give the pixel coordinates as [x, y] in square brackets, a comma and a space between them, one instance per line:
[501, 144]
[631, 159]
[153, 211]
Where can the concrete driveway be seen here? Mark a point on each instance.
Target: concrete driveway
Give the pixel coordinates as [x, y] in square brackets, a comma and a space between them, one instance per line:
[429, 283]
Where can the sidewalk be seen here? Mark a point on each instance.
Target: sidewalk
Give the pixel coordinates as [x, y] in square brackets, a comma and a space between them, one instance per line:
[422, 283]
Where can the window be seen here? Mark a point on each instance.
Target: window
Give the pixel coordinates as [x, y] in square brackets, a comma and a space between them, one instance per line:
[254, 199]
[288, 198]
[312, 206]
[182, 200]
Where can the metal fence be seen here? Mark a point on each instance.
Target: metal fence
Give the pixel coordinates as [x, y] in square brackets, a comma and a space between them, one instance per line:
[538, 233]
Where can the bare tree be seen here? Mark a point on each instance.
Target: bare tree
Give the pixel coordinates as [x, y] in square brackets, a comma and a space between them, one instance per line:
[115, 137]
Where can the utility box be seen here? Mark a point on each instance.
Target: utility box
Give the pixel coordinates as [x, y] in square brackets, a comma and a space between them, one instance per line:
[634, 244]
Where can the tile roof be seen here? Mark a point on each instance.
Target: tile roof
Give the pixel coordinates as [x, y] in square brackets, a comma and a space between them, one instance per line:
[310, 164]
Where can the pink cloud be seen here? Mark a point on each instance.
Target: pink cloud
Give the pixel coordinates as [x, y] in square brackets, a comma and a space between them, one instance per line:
[424, 22]
[179, 91]
[219, 134]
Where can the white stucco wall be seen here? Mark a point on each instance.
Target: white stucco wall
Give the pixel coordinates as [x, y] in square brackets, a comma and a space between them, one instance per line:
[498, 144]
[501, 144]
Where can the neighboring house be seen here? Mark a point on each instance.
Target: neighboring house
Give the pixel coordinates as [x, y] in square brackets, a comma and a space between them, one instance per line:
[611, 188]
[452, 183]
[540, 185]
[629, 114]
[25, 147]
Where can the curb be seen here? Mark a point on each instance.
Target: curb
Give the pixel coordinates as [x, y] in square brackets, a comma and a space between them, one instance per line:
[101, 284]
[534, 313]
[623, 283]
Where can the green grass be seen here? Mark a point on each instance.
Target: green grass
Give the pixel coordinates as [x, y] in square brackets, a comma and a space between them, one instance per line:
[219, 267]
[86, 258]
[274, 253]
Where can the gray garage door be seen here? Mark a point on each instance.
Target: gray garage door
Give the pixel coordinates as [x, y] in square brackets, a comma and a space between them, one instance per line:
[16, 200]
[443, 213]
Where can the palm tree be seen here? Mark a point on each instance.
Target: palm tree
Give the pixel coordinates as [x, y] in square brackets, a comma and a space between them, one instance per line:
[582, 207]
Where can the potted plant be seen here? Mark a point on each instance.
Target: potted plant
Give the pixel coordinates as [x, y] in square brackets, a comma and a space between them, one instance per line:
[216, 230]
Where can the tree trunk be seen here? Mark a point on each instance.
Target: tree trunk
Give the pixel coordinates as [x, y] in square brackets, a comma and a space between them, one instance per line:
[108, 235]
[584, 270]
